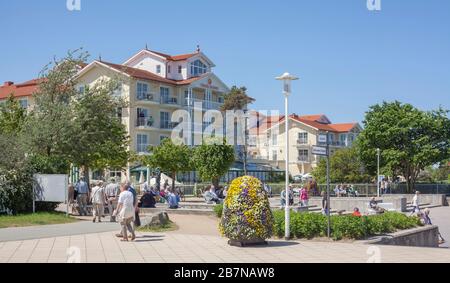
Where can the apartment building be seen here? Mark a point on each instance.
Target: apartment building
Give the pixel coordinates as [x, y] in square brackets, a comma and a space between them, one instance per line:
[268, 140]
[154, 85]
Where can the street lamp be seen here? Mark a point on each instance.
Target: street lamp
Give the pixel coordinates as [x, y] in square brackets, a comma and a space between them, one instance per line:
[378, 172]
[287, 79]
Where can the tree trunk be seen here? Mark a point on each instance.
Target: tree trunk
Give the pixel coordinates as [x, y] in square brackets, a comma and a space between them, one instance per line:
[215, 182]
[174, 174]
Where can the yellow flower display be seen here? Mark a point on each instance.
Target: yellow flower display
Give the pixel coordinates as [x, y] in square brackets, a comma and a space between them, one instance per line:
[246, 212]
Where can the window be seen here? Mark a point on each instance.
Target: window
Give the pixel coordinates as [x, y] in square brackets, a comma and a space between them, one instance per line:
[164, 120]
[158, 69]
[169, 69]
[330, 138]
[303, 138]
[198, 68]
[180, 69]
[303, 155]
[343, 139]
[119, 113]
[164, 93]
[118, 91]
[274, 139]
[24, 103]
[81, 89]
[274, 155]
[142, 91]
[142, 143]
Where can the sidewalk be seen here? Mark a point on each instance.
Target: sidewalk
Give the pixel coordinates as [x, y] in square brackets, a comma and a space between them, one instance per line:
[173, 248]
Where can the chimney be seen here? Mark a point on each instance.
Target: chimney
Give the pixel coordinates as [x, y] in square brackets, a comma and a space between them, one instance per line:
[8, 83]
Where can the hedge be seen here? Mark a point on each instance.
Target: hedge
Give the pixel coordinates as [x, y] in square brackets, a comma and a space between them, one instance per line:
[311, 225]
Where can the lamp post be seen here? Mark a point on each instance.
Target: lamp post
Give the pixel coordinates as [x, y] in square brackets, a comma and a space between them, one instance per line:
[287, 79]
[378, 172]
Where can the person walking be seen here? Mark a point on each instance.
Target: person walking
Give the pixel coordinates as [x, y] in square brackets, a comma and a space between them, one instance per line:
[415, 203]
[125, 213]
[82, 190]
[325, 204]
[112, 192]
[137, 220]
[98, 199]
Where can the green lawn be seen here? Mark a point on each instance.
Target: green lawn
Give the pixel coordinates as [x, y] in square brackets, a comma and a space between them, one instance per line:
[40, 218]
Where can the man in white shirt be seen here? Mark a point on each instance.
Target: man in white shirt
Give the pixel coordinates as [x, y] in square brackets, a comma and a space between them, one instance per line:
[98, 199]
[125, 212]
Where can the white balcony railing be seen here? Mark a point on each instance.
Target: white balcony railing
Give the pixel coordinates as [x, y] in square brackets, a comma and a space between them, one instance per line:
[206, 104]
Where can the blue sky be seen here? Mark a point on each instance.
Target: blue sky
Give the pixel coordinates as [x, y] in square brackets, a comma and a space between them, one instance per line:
[347, 56]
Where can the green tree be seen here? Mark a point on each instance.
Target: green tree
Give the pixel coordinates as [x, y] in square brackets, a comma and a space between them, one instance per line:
[12, 116]
[345, 167]
[213, 159]
[50, 119]
[170, 157]
[409, 139]
[238, 99]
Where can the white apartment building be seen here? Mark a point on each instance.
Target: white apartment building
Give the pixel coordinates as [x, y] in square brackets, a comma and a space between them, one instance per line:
[269, 140]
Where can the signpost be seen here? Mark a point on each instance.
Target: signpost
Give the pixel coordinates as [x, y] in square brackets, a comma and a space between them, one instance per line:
[322, 151]
[325, 151]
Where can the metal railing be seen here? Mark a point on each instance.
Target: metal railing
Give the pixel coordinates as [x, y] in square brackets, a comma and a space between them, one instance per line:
[146, 97]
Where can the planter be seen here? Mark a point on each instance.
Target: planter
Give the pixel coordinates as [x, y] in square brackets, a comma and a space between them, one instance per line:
[247, 243]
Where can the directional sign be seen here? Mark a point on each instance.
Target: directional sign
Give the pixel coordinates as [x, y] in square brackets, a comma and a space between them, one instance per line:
[317, 150]
[322, 138]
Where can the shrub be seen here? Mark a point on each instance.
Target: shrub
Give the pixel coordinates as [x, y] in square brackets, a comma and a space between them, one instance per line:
[310, 225]
[218, 209]
[246, 211]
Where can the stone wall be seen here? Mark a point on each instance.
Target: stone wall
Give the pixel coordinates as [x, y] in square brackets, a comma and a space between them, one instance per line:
[349, 203]
[426, 236]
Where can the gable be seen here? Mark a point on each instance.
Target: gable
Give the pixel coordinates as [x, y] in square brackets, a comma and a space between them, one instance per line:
[211, 81]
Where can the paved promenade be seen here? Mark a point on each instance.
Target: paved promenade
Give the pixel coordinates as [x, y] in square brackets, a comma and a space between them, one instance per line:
[173, 248]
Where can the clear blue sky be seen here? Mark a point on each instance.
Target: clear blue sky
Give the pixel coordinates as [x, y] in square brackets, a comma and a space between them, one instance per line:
[347, 57]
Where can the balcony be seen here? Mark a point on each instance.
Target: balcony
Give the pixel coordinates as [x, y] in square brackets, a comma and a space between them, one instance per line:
[206, 104]
[146, 97]
[169, 101]
[302, 141]
[303, 158]
[168, 125]
[146, 122]
[142, 148]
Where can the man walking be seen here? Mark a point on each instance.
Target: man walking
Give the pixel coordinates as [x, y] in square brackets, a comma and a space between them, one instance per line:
[112, 192]
[98, 199]
[125, 212]
[82, 195]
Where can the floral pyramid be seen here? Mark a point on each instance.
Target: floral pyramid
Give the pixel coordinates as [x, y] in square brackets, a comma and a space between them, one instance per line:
[246, 213]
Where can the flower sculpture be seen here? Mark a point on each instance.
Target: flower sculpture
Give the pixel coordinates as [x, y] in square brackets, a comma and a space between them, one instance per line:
[246, 218]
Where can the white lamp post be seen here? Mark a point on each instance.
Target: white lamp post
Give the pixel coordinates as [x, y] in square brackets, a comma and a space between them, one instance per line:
[378, 172]
[287, 79]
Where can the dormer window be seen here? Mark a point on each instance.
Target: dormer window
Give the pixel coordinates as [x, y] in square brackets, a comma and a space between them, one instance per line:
[198, 68]
[158, 69]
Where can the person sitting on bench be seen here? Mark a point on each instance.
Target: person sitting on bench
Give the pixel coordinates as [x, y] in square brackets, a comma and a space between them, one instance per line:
[373, 204]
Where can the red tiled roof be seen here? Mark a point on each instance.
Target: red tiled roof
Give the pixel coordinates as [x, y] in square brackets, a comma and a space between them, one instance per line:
[311, 120]
[19, 90]
[146, 75]
[175, 57]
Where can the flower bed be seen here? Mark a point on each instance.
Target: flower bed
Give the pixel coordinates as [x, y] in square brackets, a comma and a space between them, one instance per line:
[311, 225]
[246, 211]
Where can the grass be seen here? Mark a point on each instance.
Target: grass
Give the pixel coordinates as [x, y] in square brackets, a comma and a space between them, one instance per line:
[171, 226]
[40, 218]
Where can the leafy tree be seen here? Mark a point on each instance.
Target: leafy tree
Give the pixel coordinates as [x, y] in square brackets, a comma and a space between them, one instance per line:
[50, 119]
[12, 116]
[345, 167]
[96, 138]
[170, 157]
[409, 139]
[212, 159]
[237, 99]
